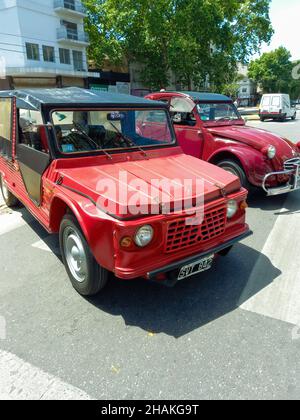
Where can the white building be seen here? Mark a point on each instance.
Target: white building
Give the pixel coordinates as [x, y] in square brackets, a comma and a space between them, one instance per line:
[43, 44]
[247, 95]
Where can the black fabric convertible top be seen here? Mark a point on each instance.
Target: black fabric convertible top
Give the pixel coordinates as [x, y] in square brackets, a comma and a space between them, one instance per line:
[36, 99]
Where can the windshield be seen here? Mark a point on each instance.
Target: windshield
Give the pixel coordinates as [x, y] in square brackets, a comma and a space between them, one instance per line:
[86, 131]
[217, 112]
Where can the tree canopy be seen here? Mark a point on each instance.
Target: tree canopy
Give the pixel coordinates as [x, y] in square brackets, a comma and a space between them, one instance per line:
[191, 38]
[276, 73]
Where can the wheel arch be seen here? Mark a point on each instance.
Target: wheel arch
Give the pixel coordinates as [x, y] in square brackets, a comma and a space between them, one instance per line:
[229, 155]
[60, 206]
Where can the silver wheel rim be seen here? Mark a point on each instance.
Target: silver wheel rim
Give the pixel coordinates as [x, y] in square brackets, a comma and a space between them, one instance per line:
[5, 191]
[75, 255]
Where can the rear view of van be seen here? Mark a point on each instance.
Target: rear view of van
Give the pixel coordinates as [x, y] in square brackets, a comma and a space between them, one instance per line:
[277, 107]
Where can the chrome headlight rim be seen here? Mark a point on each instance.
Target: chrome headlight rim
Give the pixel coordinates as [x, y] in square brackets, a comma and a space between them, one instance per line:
[139, 238]
[232, 208]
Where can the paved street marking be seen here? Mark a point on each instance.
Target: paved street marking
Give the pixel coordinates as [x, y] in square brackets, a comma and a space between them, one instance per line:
[10, 222]
[20, 380]
[280, 299]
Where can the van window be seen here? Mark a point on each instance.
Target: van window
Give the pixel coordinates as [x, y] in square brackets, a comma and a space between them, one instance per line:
[266, 101]
[276, 101]
[5, 118]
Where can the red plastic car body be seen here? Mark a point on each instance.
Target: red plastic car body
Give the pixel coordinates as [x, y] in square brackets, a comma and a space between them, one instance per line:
[56, 165]
[209, 127]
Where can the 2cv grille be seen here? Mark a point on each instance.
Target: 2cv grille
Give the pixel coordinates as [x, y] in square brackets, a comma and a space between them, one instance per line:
[180, 235]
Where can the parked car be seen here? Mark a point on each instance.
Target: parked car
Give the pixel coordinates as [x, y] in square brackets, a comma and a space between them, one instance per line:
[278, 107]
[209, 127]
[70, 156]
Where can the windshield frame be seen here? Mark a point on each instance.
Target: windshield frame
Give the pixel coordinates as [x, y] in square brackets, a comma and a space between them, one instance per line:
[101, 152]
[238, 120]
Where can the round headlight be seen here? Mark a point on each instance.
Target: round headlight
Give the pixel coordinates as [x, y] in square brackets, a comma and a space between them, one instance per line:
[271, 152]
[144, 236]
[232, 208]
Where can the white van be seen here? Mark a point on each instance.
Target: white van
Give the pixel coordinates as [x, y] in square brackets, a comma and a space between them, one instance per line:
[277, 106]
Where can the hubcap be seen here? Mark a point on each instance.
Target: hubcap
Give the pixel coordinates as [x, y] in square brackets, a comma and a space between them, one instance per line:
[75, 255]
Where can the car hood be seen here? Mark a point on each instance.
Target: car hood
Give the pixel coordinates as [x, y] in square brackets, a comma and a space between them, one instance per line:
[256, 138]
[115, 187]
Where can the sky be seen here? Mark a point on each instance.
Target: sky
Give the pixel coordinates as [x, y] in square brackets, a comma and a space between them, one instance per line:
[285, 16]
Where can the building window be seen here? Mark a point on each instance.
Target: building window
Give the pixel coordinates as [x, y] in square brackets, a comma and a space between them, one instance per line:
[49, 54]
[64, 56]
[33, 51]
[72, 30]
[78, 61]
[70, 4]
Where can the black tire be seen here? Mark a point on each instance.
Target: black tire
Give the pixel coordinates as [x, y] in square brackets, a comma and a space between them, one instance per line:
[294, 117]
[262, 119]
[236, 169]
[9, 199]
[96, 277]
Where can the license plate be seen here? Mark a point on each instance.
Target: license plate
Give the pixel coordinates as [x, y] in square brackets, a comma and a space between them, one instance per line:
[196, 268]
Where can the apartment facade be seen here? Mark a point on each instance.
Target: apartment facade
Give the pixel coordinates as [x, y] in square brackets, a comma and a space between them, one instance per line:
[43, 44]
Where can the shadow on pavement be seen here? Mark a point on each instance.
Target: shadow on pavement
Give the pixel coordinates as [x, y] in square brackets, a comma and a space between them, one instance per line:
[191, 304]
[259, 200]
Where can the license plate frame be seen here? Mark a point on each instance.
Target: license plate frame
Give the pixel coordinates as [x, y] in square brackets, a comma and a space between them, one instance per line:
[200, 266]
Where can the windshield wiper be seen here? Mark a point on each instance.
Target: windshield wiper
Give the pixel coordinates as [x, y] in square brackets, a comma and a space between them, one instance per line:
[226, 119]
[129, 141]
[81, 130]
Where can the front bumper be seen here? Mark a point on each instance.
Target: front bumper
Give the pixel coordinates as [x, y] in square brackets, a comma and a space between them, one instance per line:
[292, 170]
[171, 270]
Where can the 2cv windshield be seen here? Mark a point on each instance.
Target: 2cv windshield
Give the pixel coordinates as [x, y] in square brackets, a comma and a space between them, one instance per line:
[215, 112]
[92, 130]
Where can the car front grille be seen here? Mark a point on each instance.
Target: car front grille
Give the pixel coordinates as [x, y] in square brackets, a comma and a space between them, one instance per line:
[180, 235]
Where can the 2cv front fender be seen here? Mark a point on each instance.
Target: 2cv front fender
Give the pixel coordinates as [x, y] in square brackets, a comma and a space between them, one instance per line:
[254, 163]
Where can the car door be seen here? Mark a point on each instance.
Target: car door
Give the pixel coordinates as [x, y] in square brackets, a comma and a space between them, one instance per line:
[187, 129]
[32, 152]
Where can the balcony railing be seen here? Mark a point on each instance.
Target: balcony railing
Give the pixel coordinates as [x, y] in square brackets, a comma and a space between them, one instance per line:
[66, 34]
[70, 6]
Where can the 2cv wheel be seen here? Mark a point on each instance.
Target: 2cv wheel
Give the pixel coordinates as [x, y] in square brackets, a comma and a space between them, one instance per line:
[235, 169]
[86, 276]
[9, 199]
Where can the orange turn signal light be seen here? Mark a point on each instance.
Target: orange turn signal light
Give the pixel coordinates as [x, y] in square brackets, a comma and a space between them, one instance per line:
[126, 242]
[244, 205]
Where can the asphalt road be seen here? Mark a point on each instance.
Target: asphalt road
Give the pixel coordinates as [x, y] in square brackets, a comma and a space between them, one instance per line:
[289, 129]
[230, 333]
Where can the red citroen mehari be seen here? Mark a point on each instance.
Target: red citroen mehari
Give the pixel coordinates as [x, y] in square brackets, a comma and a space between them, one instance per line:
[79, 163]
[208, 126]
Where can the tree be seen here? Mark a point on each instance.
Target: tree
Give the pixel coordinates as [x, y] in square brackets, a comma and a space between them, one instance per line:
[191, 38]
[273, 71]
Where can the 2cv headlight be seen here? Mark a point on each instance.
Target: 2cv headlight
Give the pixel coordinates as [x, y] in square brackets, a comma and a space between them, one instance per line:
[144, 236]
[271, 152]
[232, 208]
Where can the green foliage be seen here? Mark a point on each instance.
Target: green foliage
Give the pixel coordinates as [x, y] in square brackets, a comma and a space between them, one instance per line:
[273, 71]
[192, 38]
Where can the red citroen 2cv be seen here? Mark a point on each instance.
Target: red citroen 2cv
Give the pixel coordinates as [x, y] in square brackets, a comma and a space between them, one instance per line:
[208, 126]
[80, 164]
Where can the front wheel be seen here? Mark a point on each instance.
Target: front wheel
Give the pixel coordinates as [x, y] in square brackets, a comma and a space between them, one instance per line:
[294, 117]
[9, 199]
[235, 169]
[86, 276]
